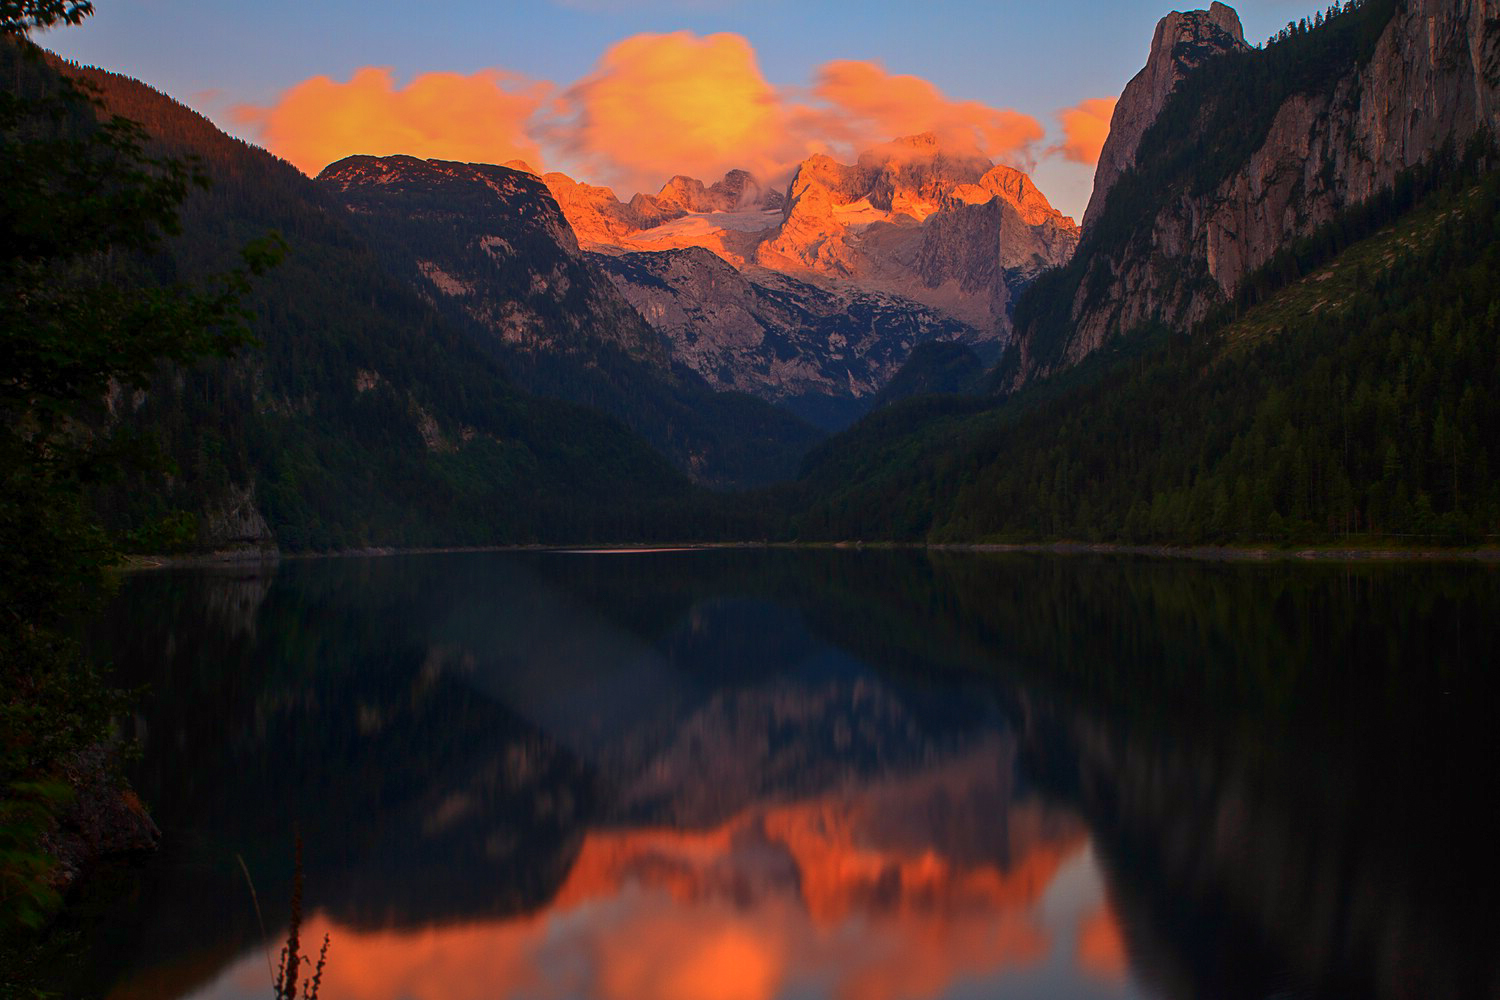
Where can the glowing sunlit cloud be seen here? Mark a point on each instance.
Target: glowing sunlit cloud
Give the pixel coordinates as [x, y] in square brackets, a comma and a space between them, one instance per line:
[871, 105]
[656, 105]
[1085, 127]
[484, 117]
[659, 105]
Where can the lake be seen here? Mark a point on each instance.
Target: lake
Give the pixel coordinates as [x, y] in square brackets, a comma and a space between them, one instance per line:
[864, 775]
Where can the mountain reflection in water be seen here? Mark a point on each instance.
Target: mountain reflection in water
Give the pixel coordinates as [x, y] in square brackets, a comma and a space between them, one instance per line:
[782, 774]
[864, 892]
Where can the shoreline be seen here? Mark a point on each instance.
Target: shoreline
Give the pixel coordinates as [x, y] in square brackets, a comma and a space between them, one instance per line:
[1227, 553]
[1200, 553]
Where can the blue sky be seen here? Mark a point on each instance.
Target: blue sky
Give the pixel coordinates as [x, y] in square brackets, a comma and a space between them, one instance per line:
[1034, 58]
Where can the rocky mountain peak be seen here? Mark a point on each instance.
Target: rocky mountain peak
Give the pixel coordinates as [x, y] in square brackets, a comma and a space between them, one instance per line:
[739, 185]
[738, 190]
[492, 248]
[926, 142]
[1016, 189]
[888, 224]
[1410, 79]
[913, 174]
[594, 212]
[1182, 42]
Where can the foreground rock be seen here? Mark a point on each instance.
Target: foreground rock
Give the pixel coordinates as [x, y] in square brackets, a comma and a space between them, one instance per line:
[105, 819]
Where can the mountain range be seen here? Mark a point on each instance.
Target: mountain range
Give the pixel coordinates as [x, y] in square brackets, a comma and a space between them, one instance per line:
[1276, 322]
[838, 278]
[1279, 324]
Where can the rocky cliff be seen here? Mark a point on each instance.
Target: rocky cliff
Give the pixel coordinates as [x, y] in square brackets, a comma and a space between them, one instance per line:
[1283, 138]
[490, 245]
[1182, 43]
[836, 280]
[954, 232]
[491, 248]
[900, 220]
[821, 352]
[232, 527]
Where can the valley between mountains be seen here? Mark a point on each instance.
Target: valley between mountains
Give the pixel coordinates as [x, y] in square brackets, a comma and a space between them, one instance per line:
[915, 346]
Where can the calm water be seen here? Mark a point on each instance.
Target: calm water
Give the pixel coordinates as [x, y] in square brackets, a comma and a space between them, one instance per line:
[854, 775]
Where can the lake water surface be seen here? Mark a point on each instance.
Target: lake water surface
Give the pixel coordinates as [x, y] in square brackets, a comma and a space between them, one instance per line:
[743, 774]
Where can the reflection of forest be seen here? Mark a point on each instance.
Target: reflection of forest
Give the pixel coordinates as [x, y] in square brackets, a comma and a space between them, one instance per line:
[1276, 783]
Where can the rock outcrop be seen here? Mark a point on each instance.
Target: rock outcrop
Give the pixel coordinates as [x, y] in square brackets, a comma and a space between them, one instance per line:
[1182, 42]
[1432, 78]
[105, 818]
[493, 248]
[233, 527]
[821, 352]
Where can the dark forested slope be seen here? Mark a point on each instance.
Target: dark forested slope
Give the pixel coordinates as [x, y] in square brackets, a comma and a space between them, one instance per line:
[1282, 325]
[1253, 149]
[363, 417]
[1360, 401]
[489, 247]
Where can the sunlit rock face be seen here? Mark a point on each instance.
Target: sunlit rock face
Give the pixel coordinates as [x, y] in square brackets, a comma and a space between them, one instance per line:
[903, 219]
[868, 224]
[911, 243]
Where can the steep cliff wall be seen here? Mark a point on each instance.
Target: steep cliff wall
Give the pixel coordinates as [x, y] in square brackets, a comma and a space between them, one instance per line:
[1181, 44]
[490, 246]
[1253, 149]
[821, 352]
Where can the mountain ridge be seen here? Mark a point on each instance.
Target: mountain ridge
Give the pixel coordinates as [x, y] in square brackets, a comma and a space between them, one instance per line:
[362, 418]
[861, 224]
[1324, 371]
[912, 243]
[493, 252]
[1255, 148]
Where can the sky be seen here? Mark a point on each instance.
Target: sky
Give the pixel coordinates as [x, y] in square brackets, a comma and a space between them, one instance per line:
[626, 93]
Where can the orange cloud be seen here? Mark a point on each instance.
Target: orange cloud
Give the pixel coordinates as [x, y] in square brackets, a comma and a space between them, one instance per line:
[656, 105]
[1085, 127]
[660, 105]
[482, 118]
[870, 105]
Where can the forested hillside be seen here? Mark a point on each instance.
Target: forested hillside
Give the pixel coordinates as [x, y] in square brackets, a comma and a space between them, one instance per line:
[491, 250]
[1247, 152]
[362, 417]
[1360, 401]
[1345, 387]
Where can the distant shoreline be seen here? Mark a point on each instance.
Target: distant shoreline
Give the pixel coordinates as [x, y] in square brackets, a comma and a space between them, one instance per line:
[1200, 553]
[1226, 553]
